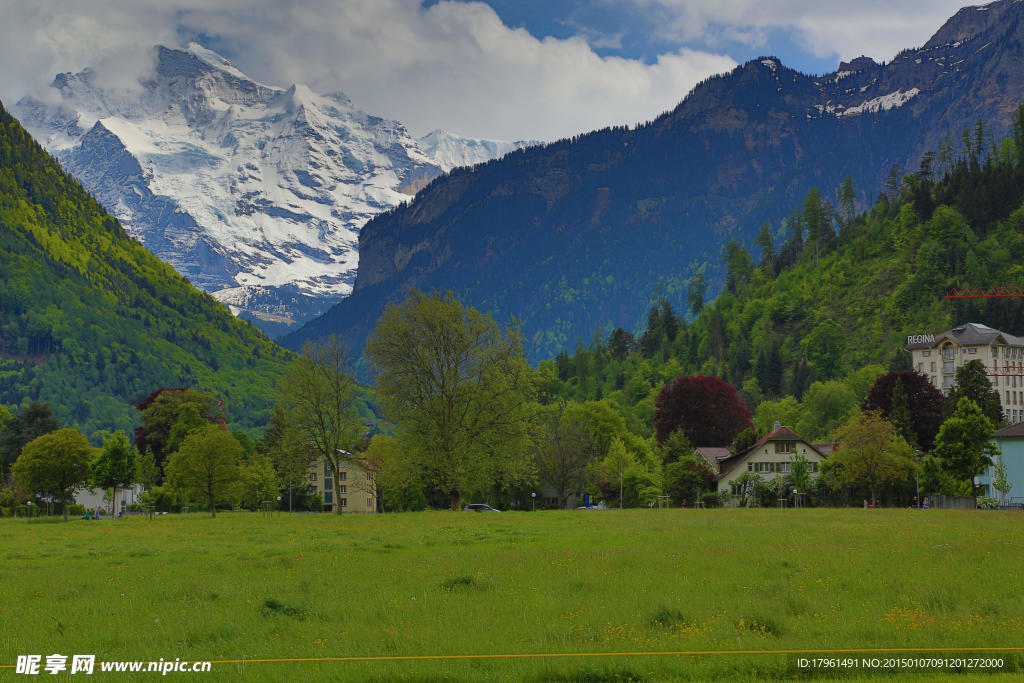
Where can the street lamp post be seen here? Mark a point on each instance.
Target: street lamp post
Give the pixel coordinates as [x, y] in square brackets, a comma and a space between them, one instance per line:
[533, 499]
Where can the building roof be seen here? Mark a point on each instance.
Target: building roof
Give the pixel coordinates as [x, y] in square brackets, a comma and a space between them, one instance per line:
[726, 465]
[713, 455]
[826, 449]
[969, 334]
[1012, 430]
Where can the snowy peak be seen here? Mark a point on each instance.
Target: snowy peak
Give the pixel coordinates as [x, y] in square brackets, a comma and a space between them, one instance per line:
[241, 186]
[233, 182]
[450, 151]
[213, 59]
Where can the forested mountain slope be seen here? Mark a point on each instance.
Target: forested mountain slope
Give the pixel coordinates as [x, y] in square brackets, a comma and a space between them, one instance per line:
[803, 329]
[582, 233]
[90, 321]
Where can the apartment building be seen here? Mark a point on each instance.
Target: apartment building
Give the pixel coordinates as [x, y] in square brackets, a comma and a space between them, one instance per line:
[357, 484]
[938, 356]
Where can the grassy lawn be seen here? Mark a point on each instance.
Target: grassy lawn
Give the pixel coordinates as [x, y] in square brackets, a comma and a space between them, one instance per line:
[243, 587]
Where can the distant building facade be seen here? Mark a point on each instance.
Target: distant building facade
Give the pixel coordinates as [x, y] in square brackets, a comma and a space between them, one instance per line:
[1010, 441]
[937, 356]
[357, 485]
[770, 457]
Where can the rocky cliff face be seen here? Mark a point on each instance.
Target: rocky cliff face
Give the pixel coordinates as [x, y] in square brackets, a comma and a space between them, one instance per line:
[578, 235]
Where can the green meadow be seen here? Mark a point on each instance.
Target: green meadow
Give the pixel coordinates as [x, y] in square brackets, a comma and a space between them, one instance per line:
[722, 589]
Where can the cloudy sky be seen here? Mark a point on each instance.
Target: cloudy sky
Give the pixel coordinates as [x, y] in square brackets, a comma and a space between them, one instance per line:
[509, 69]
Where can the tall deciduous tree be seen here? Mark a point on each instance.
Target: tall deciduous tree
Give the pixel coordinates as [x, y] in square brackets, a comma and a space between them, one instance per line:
[964, 443]
[115, 466]
[924, 402]
[283, 444]
[706, 408]
[162, 410]
[564, 449]
[319, 394]
[456, 386]
[206, 467]
[56, 464]
[872, 455]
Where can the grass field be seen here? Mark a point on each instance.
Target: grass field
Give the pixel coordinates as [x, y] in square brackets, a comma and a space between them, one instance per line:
[247, 587]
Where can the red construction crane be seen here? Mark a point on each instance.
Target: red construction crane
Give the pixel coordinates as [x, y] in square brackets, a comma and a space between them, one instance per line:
[984, 292]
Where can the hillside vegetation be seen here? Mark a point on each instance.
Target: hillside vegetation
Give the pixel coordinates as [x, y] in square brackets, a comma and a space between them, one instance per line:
[805, 328]
[90, 321]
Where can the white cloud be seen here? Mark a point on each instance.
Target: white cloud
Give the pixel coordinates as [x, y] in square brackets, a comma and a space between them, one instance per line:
[453, 65]
[825, 28]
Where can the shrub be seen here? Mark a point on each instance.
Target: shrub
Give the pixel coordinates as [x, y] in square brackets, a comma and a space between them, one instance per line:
[710, 499]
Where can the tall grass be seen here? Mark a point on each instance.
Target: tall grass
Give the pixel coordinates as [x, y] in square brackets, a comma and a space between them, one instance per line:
[244, 587]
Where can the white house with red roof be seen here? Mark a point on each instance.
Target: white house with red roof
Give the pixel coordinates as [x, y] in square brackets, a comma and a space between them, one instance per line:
[770, 457]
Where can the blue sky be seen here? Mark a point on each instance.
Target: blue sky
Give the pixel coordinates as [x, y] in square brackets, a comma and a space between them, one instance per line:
[626, 30]
[505, 69]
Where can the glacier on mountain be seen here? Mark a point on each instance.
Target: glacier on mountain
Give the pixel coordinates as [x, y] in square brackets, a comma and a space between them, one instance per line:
[253, 192]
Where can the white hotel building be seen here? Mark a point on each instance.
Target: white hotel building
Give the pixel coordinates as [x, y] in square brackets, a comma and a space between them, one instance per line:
[939, 355]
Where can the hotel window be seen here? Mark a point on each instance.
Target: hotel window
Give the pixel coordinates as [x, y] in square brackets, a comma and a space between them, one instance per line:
[920, 367]
[933, 366]
[947, 381]
[343, 502]
[814, 467]
[934, 382]
[327, 483]
[973, 350]
[342, 476]
[342, 489]
[763, 467]
[312, 476]
[926, 353]
[784, 446]
[947, 366]
[1007, 398]
[782, 467]
[327, 497]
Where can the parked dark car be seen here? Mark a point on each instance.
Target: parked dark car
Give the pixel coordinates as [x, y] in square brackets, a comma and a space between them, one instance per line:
[479, 507]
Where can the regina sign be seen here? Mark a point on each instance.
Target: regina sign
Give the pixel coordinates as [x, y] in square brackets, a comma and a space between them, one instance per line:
[920, 339]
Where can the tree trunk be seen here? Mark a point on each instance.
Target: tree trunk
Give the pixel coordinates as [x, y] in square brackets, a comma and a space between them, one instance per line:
[456, 500]
[336, 479]
[65, 510]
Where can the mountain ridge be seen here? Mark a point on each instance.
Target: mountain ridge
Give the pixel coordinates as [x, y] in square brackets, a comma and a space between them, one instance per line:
[234, 182]
[578, 235]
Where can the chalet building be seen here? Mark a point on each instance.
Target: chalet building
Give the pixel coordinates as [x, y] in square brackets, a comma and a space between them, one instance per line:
[770, 457]
[357, 485]
[937, 356]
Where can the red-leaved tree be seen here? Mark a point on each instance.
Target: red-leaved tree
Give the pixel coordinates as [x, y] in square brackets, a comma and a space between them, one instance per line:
[924, 403]
[708, 410]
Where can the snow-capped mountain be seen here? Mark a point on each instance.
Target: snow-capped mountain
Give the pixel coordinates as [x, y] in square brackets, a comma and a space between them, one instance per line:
[255, 193]
[451, 151]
